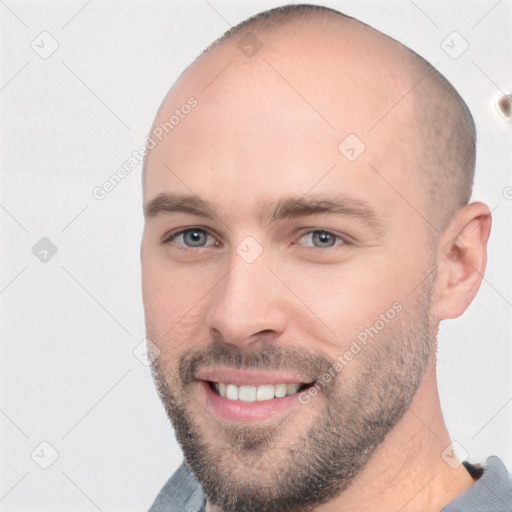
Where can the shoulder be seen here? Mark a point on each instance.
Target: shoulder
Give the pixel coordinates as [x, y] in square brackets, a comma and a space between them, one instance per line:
[181, 493]
[492, 492]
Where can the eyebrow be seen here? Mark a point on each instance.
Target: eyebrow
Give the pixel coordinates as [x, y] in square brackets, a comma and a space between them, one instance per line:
[270, 211]
[302, 206]
[174, 203]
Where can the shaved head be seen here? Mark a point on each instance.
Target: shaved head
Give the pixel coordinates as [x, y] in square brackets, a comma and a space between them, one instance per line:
[438, 132]
[305, 177]
[444, 130]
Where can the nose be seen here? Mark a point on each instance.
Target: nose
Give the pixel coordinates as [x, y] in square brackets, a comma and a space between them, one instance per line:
[247, 305]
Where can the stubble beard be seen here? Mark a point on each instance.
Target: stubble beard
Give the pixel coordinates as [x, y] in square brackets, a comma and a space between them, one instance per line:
[267, 467]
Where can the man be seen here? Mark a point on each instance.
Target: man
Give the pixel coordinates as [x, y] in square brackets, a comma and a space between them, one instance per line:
[307, 228]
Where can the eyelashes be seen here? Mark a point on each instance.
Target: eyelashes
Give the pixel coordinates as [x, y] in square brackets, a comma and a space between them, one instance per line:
[197, 237]
[326, 239]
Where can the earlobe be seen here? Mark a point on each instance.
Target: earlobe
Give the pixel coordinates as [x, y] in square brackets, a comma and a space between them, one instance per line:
[461, 259]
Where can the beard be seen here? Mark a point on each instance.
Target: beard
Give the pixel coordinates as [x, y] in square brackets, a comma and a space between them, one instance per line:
[258, 467]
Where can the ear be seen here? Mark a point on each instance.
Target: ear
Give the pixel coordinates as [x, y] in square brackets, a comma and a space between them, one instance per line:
[461, 259]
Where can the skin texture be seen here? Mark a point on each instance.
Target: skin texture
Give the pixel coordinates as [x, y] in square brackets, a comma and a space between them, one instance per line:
[266, 128]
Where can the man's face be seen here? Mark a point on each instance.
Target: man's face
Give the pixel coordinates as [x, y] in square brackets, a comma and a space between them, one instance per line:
[252, 294]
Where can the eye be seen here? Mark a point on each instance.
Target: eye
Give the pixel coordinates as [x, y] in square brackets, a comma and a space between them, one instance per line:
[190, 238]
[321, 239]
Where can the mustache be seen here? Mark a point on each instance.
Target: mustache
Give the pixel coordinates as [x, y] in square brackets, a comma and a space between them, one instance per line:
[267, 358]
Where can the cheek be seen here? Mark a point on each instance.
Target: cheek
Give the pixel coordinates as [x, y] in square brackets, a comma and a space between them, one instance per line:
[172, 307]
[351, 293]
[345, 303]
[165, 292]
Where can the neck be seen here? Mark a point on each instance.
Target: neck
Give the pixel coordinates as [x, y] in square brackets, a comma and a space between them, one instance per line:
[407, 471]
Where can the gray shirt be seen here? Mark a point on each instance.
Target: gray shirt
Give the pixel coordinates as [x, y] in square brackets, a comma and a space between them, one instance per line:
[492, 492]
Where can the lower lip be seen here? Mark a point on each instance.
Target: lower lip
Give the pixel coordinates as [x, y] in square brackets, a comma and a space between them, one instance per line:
[236, 410]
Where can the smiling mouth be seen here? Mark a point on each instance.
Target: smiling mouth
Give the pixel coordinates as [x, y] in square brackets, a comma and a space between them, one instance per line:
[256, 393]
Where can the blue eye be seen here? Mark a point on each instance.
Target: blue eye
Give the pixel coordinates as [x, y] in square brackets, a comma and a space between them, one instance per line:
[196, 238]
[322, 239]
[192, 238]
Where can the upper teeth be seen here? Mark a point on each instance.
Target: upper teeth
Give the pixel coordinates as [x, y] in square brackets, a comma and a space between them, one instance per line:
[255, 393]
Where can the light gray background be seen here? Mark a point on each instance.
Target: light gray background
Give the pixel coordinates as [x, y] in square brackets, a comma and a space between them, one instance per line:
[69, 326]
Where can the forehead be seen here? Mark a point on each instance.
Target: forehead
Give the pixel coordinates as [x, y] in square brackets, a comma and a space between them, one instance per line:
[302, 114]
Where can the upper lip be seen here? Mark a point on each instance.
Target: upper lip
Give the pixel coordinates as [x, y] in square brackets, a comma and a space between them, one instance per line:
[249, 378]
